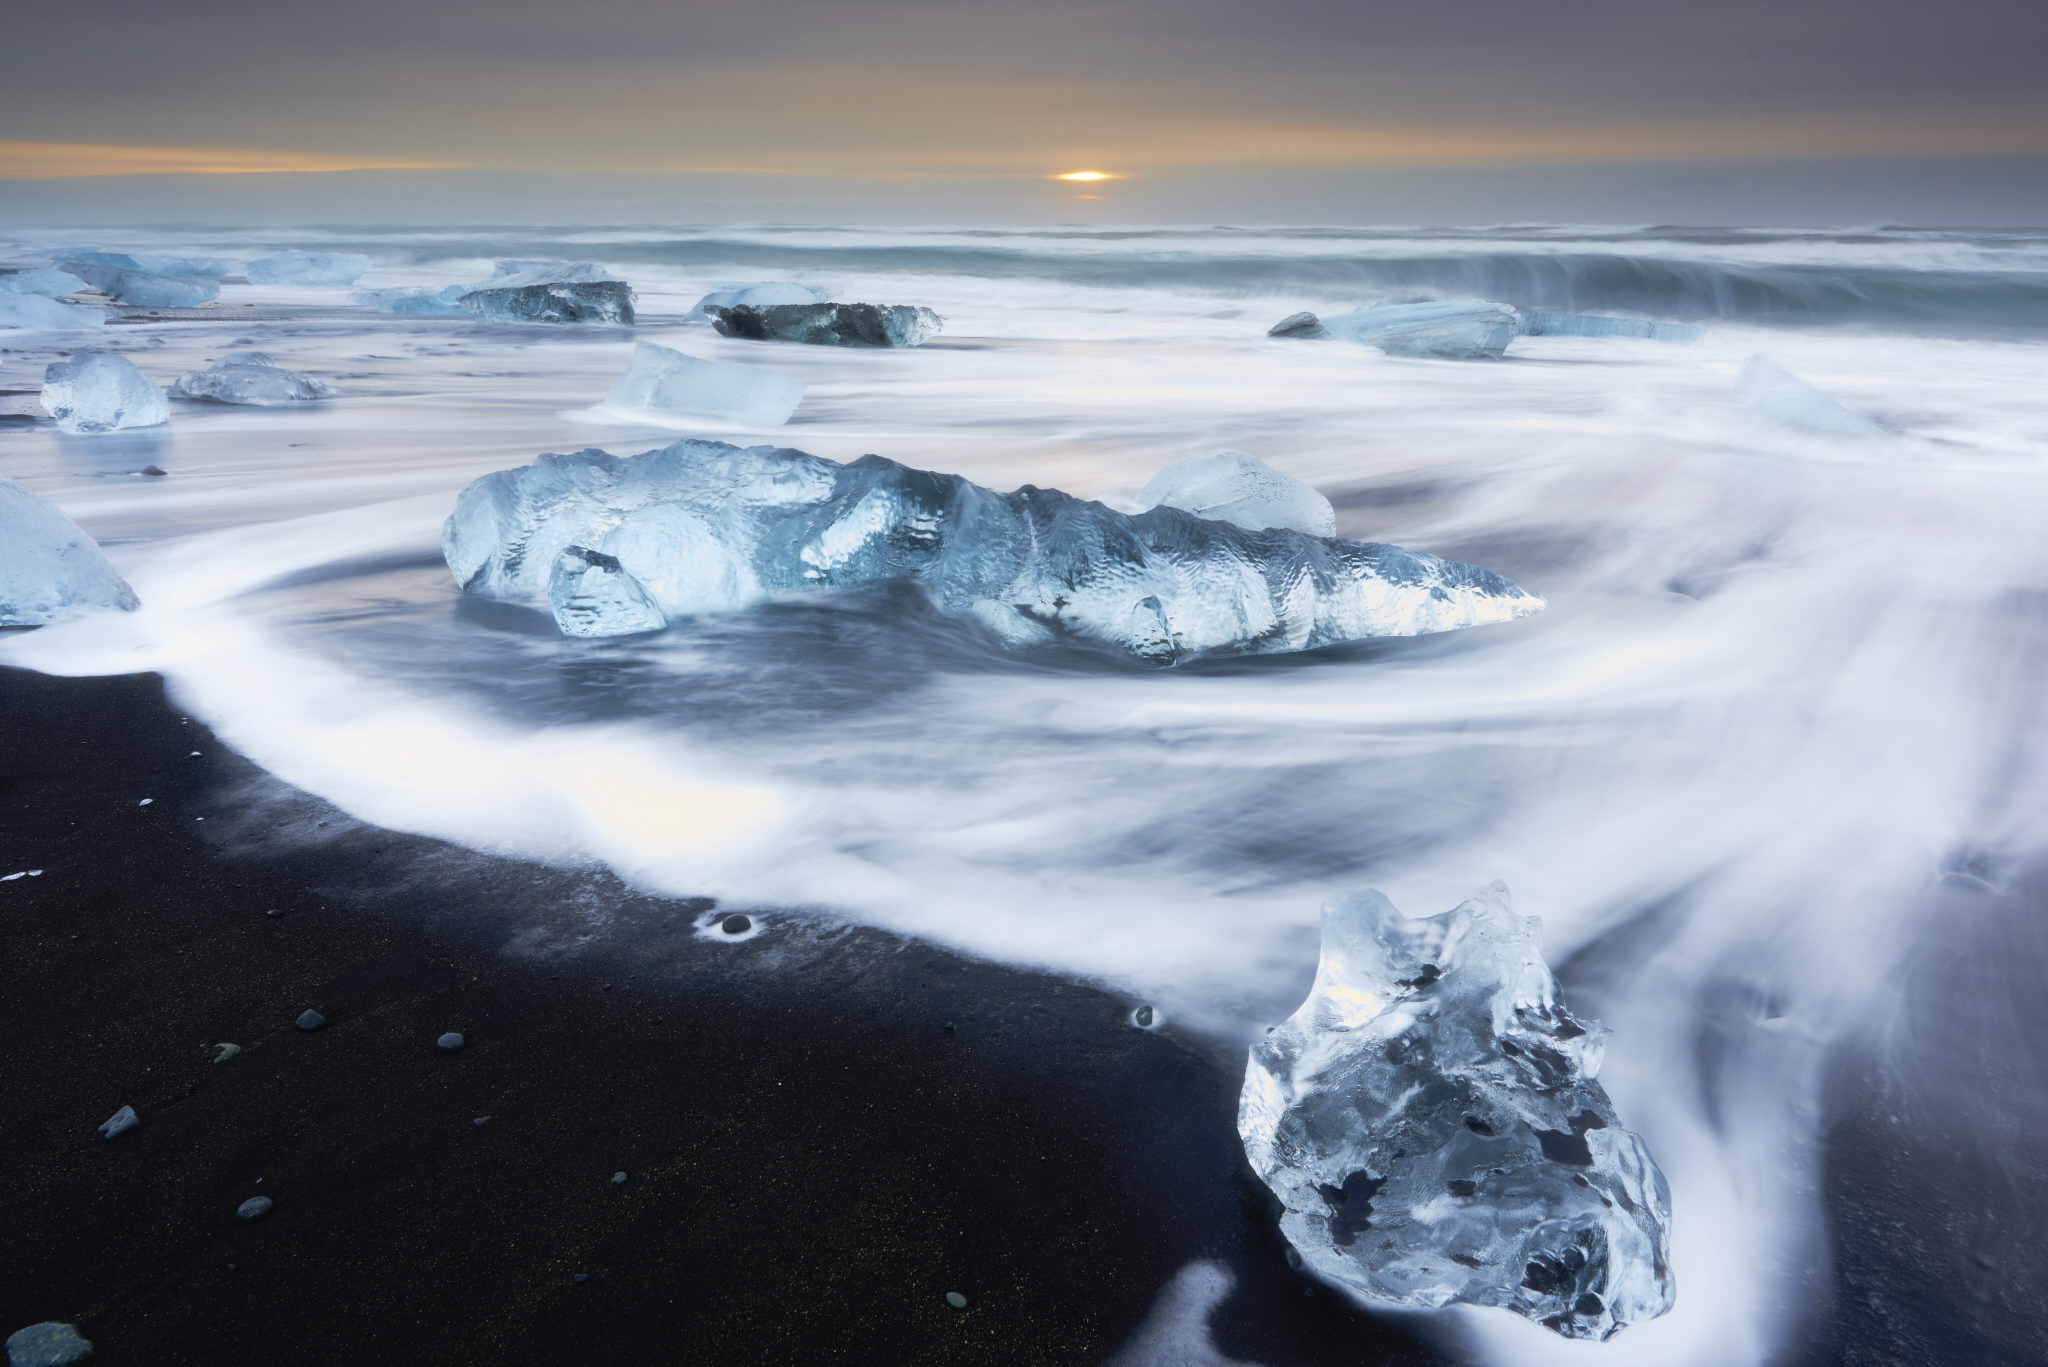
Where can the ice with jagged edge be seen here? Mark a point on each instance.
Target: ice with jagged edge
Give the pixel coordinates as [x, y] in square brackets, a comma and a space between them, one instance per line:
[35, 311]
[99, 391]
[1431, 1124]
[1236, 486]
[295, 267]
[144, 289]
[662, 383]
[1595, 325]
[1452, 329]
[1773, 393]
[49, 569]
[861, 325]
[433, 301]
[196, 267]
[36, 280]
[551, 292]
[759, 295]
[704, 526]
[250, 377]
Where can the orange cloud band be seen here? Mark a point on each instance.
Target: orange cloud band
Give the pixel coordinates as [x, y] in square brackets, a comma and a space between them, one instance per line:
[58, 160]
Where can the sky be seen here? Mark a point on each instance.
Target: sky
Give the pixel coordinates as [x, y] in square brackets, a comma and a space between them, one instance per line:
[1281, 110]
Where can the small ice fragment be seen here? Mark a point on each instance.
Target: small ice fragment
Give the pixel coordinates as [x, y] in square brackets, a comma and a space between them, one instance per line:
[120, 1122]
[296, 267]
[593, 595]
[664, 382]
[1430, 1121]
[865, 325]
[956, 1300]
[1455, 329]
[617, 1178]
[249, 377]
[47, 283]
[1144, 1017]
[551, 292]
[145, 289]
[9, 878]
[1303, 324]
[33, 311]
[49, 1344]
[1592, 325]
[444, 301]
[98, 391]
[197, 267]
[310, 1020]
[145, 802]
[763, 295]
[449, 1042]
[1235, 486]
[1773, 393]
[255, 1208]
[227, 1051]
[49, 569]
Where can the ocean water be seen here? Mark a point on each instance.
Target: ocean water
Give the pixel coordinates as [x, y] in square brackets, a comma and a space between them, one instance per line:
[1787, 690]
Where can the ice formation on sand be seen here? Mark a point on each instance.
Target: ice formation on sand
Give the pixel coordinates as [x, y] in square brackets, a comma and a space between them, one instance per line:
[49, 569]
[1430, 1123]
[145, 289]
[1775, 394]
[762, 295]
[662, 382]
[893, 325]
[551, 292]
[703, 526]
[49, 284]
[308, 268]
[444, 301]
[1456, 329]
[1592, 325]
[98, 391]
[34, 311]
[249, 377]
[197, 267]
[1236, 486]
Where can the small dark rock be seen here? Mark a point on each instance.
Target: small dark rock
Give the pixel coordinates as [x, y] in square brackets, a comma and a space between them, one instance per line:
[582, 1276]
[1143, 1016]
[152, 470]
[736, 925]
[449, 1042]
[1303, 324]
[311, 1020]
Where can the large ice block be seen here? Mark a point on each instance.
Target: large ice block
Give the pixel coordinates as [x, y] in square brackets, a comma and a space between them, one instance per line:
[1593, 325]
[444, 301]
[662, 382]
[49, 284]
[1453, 329]
[891, 325]
[519, 274]
[1431, 1124]
[49, 569]
[1236, 486]
[1775, 394]
[98, 391]
[197, 267]
[762, 295]
[34, 311]
[249, 377]
[295, 267]
[551, 292]
[703, 526]
[144, 289]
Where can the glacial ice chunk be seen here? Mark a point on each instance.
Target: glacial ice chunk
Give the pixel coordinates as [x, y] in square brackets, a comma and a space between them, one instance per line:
[196, 267]
[703, 526]
[145, 289]
[1303, 324]
[593, 595]
[1431, 1124]
[551, 292]
[519, 274]
[297, 267]
[1455, 329]
[249, 377]
[1775, 394]
[98, 391]
[49, 569]
[1592, 325]
[891, 325]
[663, 382]
[763, 295]
[1235, 486]
[435, 302]
[49, 284]
[34, 311]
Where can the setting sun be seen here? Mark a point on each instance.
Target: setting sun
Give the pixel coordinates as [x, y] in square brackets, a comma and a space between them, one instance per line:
[1084, 175]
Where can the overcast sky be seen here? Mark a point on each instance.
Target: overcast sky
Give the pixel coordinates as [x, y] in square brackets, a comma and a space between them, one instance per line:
[974, 104]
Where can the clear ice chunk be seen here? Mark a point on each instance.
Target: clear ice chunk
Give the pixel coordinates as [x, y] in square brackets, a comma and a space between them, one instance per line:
[662, 382]
[890, 325]
[98, 391]
[1773, 393]
[145, 289]
[1236, 486]
[762, 295]
[1430, 1122]
[35, 311]
[49, 569]
[249, 377]
[551, 292]
[36, 280]
[593, 595]
[444, 301]
[703, 526]
[1454, 329]
[197, 267]
[519, 274]
[296, 267]
[1592, 325]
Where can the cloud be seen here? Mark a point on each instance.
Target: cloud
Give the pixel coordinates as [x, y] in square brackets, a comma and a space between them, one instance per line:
[61, 160]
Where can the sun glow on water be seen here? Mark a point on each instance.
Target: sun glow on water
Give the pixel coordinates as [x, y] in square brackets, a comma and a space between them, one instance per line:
[1085, 175]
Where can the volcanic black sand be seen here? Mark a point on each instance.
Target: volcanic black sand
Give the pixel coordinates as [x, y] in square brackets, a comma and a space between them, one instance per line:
[823, 1130]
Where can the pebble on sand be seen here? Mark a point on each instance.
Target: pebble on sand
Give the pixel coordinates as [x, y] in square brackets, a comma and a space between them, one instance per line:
[255, 1208]
[582, 1276]
[449, 1042]
[48, 1344]
[736, 925]
[956, 1300]
[120, 1121]
[311, 1020]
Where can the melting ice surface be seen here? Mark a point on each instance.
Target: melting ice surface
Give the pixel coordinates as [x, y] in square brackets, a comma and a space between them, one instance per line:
[249, 377]
[49, 569]
[1787, 685]
[1430, 1121]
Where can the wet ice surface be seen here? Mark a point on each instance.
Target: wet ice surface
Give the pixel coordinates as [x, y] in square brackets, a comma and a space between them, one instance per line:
[1784, 681]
